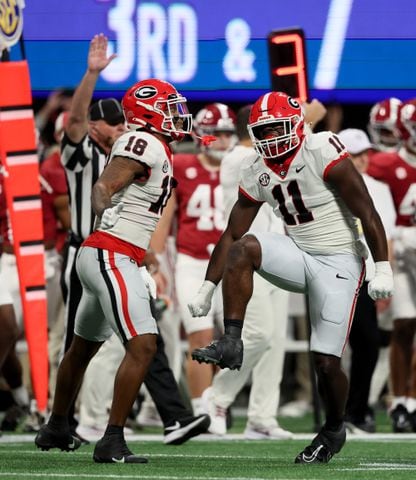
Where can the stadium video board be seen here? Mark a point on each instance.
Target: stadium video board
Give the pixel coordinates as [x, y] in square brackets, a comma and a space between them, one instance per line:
[357, 50]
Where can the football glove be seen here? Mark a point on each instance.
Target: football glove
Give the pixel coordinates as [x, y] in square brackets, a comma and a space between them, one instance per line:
[381, 286]
[199, 306]
[149, 282]
[111, 216]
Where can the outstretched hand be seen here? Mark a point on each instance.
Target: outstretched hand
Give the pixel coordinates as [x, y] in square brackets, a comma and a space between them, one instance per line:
[97, 55]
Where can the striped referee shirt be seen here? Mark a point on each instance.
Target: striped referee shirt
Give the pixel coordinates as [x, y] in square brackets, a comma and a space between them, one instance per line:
[83, 163]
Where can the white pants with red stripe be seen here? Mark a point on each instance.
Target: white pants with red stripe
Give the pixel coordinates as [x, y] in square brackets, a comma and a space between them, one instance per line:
[332, 283]
[114, 297]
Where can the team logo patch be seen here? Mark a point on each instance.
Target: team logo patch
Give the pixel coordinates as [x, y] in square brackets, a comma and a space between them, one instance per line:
[147, 91]
[11, 22]
[293, 103]
[264, 179]
[165, 166]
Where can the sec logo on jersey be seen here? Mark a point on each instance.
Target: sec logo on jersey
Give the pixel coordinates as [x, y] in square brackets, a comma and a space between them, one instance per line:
[264, 179]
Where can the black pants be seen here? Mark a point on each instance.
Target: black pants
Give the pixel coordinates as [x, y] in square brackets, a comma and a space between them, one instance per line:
[365, 344]
[159, 379]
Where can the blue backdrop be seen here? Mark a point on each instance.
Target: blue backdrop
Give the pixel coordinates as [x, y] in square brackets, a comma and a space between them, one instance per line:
[357, 50]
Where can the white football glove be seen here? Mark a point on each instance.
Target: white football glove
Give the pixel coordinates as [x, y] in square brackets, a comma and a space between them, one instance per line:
[111, 216]
[149, 282]
[381, 286]
[199, 306]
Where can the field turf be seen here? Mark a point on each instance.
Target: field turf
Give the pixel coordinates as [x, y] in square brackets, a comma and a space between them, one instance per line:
[380, 457]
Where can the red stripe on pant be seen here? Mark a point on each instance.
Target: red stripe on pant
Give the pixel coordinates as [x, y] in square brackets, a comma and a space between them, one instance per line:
[123, 292]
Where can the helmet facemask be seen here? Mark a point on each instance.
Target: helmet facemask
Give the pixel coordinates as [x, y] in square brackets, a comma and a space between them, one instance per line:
[275, 137]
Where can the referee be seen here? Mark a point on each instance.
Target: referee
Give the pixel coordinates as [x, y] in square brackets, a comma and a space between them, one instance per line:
[89, 136]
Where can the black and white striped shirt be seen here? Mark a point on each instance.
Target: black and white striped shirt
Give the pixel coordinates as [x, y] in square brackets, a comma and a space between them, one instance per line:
[83, 163]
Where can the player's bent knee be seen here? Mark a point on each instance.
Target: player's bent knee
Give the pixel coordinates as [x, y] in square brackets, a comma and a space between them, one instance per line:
[142, 347]
[245, 250]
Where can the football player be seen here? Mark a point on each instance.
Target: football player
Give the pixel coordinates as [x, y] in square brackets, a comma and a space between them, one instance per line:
[128, 199]
[399, 172]
[311, 183]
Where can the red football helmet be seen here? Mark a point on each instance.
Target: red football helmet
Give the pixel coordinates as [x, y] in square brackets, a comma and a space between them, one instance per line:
[215, 119]
[382, 127]
[407, 123]
[157, 106]
[276, 125]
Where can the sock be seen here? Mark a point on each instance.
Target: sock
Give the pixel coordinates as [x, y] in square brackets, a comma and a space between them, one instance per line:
[333, 425]
[197, 406]
[398, 401]
[114, 430]
[411, 404]
[233, 327]
[58, 422]
[20, 396]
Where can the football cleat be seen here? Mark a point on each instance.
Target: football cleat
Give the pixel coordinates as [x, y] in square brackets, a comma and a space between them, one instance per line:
[48, 438]
[323, 447]
[400, 419]
[184, 429]
[227, 352]
[113, 449]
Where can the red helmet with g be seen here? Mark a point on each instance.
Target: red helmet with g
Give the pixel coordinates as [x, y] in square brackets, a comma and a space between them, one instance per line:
[219, 120]
[157, 106]
[382, 127]
[276, 125]
[407, 124]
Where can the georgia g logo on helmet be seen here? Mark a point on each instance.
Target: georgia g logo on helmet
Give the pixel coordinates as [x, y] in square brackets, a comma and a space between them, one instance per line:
[293, 103]
[145, 92]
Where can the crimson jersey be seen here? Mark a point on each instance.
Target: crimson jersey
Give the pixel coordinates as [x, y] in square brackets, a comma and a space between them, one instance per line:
[53, 185]
[200, 216]
[400, 176]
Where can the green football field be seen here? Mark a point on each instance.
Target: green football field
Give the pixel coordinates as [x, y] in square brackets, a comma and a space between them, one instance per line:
[379, 457]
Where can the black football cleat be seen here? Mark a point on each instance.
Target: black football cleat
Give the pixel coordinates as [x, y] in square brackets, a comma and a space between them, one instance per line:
[184, 429]
[48, 438]
[113, 449]
[227, 352]
[323, 447]
[401, 420]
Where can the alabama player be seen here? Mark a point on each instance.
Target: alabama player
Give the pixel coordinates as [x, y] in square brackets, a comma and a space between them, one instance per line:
[196, 205]
[128, 199]
[311, 183]
[399, 172]
[382, 125]
[384, 132]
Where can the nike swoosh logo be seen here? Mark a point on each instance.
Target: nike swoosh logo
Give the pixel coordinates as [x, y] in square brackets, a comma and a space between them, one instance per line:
[118, 460]
[298, 169]
[310, 459]
[339, 276]
[72, 445]
[174, 427]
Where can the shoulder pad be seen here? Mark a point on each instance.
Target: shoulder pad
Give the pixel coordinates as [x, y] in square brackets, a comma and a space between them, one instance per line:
[315, 141]
[140, 146]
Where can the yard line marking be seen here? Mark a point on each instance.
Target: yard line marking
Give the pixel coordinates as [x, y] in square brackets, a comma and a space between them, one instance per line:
[208, 437]
[120, 476]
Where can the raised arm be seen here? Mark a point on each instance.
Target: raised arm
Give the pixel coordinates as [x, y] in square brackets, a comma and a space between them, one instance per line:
[77, 125]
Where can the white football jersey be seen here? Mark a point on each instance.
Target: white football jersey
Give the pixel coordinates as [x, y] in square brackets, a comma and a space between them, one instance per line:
[230, 174]
[315, 216]
[144, 199]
